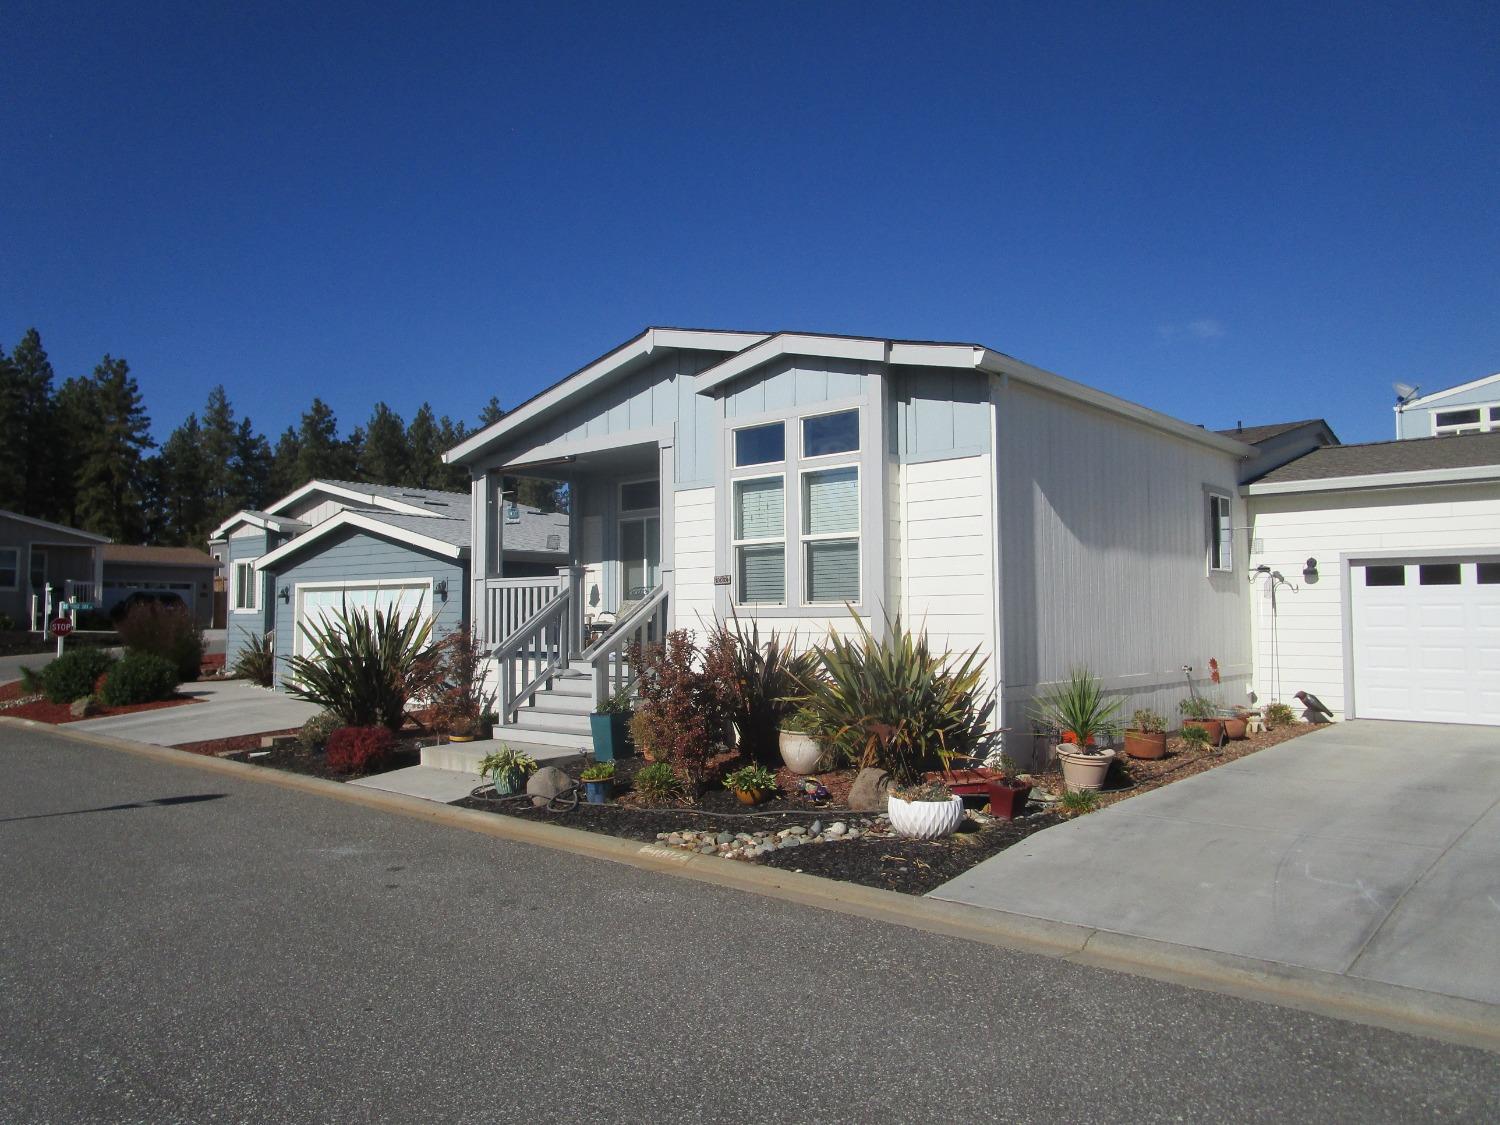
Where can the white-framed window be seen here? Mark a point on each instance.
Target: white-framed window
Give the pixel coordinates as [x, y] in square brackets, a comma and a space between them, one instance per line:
[830, 535]
[1220, 532]
[760, 445]
[1466, 420]
[245, 586]
[10, 568]
[828, 435]
[759, 545]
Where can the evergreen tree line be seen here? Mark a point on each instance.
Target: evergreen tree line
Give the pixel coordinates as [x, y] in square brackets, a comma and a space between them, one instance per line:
[81, 454]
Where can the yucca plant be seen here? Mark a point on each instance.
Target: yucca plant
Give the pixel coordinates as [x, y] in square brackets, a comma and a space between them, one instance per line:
[769, 679]
[365, 667]
[894, 704]
[256, 661]
[1078, 707]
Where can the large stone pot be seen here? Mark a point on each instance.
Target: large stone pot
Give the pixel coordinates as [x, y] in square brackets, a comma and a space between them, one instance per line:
[1083, 771]
[801, 752]
[925, 820]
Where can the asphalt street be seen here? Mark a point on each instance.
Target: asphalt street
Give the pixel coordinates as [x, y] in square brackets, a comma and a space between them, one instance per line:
[181, 946]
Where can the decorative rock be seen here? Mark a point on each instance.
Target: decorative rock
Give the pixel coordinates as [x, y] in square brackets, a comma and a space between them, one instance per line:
[547, 783]
[796, 830]
[81, 707]
[837, 828]
[853, 834]
[724, 838]
[790, 842]
[706, 849]
[869, 791]
[816, 828]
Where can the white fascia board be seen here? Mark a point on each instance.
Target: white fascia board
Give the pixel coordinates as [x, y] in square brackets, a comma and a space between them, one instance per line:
[998, 364]
[632, 351]
[223, 530]
[363, 523]
[1436, 395]
[783, 344]
[34, 522]
[1466, 475]
[340, 492]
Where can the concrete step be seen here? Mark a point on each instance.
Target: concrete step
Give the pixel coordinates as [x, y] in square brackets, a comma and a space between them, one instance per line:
[553, 703]
[539, 735]
[464, 757]
[529, 718]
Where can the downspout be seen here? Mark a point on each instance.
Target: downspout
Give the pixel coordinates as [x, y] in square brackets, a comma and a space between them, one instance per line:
[999, 386]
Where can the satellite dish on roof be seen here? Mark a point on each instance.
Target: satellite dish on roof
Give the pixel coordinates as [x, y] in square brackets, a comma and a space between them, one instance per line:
[1405, 392]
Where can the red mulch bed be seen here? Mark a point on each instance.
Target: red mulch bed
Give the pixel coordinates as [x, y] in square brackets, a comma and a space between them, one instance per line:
[213, 747]
[58, 713]
[11, 691]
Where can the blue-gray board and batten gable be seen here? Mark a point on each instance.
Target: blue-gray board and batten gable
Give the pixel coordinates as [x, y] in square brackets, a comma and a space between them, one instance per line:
[242, 625]
[350, 556]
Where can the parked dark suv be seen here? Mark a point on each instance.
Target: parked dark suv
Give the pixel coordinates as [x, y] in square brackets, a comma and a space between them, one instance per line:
[165, 598]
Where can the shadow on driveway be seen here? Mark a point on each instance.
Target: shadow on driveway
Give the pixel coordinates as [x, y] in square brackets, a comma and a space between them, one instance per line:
[159, 802]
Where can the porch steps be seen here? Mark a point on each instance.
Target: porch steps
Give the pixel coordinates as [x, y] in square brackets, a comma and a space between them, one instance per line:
[464, 757]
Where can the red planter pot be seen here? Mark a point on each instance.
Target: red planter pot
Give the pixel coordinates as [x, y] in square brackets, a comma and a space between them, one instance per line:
[1145, 745]
[1008, 798]
[1235, 728]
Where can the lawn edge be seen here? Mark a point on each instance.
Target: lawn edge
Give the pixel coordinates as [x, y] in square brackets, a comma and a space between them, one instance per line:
[1453, 1019]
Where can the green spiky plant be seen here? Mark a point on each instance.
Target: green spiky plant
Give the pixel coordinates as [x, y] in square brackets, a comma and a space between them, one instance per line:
[365, 667]
[1078, 706]
[769, 677]
[893, 703]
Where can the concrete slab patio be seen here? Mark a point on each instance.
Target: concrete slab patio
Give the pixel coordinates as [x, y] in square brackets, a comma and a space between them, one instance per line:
[426, 782]
[1367, 849]
[224, 710]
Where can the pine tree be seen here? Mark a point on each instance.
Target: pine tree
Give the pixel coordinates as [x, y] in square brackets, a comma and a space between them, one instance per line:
[319, 451]
[29, 459]
[385, 460]
[450, 434]
[286, 471]
[186, 510]
[223, 491]
[491, 412]
[12, 467]
[252, 465]
[425, 449]
[111, 472]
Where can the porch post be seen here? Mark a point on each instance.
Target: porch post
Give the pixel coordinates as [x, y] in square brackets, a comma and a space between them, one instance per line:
[570, 578]
[666, 490]
[479, 557]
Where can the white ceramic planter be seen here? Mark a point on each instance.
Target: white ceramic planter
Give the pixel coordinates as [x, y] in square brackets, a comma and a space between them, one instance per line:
[801, 752]
[1083, 771]
[925, 820]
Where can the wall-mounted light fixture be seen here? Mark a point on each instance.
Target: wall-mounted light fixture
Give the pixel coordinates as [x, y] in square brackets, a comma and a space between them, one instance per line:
[442, 588]
[1310, 571]
[285, 594]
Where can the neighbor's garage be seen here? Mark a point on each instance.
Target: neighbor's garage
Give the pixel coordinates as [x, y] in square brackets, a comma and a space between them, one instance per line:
[318, 602]
[1425, 634]
[1381, 588]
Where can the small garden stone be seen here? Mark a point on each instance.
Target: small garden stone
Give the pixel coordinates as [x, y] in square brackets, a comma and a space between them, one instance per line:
[547, 783]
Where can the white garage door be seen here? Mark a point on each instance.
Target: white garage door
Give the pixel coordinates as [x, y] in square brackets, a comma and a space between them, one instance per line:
[1427, 639]
[316, 603]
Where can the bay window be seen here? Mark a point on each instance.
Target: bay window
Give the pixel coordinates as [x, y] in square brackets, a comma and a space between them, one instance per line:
[760, 540]
[830, 535]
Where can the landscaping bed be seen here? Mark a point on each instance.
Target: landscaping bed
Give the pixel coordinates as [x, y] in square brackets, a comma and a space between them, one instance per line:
[238, 745]
[298, 759]
[39, 710]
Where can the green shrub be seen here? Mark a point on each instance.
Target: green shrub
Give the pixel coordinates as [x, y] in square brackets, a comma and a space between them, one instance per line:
[1280, 715]
[72, 675]
[256, 660]
[749, 778]
[769, 679]
[7, 623]
[598, 771]
[1079, 707]
[168, 632]
[1076, 802]
[1196, 737]
[1196, 707]
[894, 704]
[657, 782]
[364, 666]
[142, 677]
[315, 732]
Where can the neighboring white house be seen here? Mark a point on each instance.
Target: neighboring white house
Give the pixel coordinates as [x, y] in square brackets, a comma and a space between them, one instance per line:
[780, 476]
[1379, 578]
[1469, 408]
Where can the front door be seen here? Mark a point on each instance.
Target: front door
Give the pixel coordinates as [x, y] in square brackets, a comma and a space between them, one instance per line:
[640, 556]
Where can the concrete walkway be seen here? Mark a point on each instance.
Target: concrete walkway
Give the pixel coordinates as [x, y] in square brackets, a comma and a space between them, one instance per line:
[1367, 849]
[227, 709]
[426, 782]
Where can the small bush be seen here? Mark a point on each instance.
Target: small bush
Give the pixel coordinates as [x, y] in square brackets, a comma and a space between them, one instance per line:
[142, 677]
[598, 771]
[316, 731]
[256, 661]
[365, 666]
[657, 782]
[685, 702]
[7, 623]
[1280, 715]
[1196, 737]
[1076, 802]
[769, 678]
[72, 675]
[359, 749]
[168, 632]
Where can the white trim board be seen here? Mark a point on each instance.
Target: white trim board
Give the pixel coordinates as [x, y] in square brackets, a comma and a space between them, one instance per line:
[363, 523]
[1436, 395]
[34, 522]
[343, 492]
[1465, 475]
[264, 523]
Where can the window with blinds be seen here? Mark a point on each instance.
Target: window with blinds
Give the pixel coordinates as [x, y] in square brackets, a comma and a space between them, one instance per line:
[760, 541]
[830, 535]
[1220, 534]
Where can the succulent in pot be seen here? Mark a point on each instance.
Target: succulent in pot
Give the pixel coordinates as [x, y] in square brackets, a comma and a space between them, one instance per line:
[1146, 735]
[925, 811]
[750, 784]
[801, 748]
[507, 769]
[598, 780]
[1078, 707]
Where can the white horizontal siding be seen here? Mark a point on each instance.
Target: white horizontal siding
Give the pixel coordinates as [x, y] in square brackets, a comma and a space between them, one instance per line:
[694, 558]
[1300, 646]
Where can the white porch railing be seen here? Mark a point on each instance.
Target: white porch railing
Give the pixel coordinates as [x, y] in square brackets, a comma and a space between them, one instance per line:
[510, 602]
[609, 656]
[532, 655]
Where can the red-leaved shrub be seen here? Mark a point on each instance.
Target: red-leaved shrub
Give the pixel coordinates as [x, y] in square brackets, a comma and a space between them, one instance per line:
[359, 749]
[685, 702]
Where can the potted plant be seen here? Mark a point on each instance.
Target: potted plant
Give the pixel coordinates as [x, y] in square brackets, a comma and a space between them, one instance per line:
[1196, 738]
[1199, 712]
[463, 727]
[507, 769]
[610, 725]
[1008, 793]
[598, 780]
[1079, 710]
[750, 784]
[1236, 723]
[800, 748]
[925, 811]
[1146, 736]
[488, 720]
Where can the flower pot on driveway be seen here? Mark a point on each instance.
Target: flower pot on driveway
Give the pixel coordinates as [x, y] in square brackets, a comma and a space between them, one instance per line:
[1146, 745]
[801, 752]
[1084, 771]
[925, 820]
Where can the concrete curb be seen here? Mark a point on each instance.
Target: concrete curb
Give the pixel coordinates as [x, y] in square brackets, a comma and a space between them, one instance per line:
[1410, 1011]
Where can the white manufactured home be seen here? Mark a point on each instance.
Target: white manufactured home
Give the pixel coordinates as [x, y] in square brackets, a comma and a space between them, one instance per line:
[785, 477]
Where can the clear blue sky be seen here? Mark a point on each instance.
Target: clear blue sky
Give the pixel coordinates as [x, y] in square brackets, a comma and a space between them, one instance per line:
[1257, 214]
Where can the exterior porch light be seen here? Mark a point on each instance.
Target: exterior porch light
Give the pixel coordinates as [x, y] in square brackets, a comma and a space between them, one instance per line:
[441, 589]
[285, 594]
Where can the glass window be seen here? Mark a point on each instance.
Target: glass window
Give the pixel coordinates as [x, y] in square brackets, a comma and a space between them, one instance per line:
[1220, 533]
[830, 433]
[640, 496]
[10, 567]
[1488, 574]
[1457, 417]
[1385, 576]
[1440, 574]
[760, 541]
[830, 534]
[760, 445]
[244, 585]
[1495, 414]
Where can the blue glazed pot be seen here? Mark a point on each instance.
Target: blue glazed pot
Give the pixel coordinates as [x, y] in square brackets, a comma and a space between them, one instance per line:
[598, 791]
[611, 736]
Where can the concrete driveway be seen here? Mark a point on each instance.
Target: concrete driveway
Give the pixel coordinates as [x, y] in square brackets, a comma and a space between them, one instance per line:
[224, 710]
[1370, 849]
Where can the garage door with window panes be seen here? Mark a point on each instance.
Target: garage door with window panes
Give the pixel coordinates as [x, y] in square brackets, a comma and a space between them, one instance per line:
[1426, 639]
[317, 606]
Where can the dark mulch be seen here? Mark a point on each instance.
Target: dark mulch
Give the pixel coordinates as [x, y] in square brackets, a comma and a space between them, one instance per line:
[239, 744]
[57, 713]
[297, 759]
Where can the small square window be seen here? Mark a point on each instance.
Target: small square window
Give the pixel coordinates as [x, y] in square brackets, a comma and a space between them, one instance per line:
[827, 434]
[1457, 417]
[1488, 574]
[640, 496]
[1440, 574]
[1385, 576]
[760, 445]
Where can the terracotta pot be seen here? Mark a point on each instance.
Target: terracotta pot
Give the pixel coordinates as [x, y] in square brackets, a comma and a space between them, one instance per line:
[1235, 727]
[1214, 727]
[925, 820]
[750, 796]
[460, 738]
[1008, 798]
[801, 752]
[1146, 745]
[1084, 771]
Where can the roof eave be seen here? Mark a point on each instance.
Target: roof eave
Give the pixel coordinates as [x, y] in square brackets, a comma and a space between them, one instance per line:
[1406, 479]
[363, 523]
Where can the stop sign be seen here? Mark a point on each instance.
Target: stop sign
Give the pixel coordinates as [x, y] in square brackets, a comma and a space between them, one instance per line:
[61, 627]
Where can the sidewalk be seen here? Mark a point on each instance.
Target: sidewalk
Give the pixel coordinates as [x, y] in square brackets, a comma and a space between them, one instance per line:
[225, 710]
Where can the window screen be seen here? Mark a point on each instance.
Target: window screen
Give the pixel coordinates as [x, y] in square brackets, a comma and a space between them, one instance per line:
[760, 546]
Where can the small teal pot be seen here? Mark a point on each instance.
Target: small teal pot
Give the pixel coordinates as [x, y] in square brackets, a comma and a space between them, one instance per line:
[598, 791]
[505, 784]
[611, 736]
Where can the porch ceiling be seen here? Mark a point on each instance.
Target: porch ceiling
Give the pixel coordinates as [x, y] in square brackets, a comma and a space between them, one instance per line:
[642, 457]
